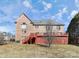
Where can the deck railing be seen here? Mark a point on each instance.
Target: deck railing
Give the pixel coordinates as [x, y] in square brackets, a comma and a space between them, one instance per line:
[51, 34]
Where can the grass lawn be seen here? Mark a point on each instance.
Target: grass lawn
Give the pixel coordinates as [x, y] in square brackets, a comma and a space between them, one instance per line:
[29, 51]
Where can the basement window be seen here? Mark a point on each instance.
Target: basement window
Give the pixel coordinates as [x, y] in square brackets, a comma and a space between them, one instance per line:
[37, 32]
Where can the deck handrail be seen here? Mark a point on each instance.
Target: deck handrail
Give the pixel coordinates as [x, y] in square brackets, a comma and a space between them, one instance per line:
[51, 34]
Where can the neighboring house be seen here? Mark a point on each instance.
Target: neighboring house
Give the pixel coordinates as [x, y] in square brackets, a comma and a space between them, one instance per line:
[25, 26]
[8, 36]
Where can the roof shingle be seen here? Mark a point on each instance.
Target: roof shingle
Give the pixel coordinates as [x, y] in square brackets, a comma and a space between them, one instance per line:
[46, 22]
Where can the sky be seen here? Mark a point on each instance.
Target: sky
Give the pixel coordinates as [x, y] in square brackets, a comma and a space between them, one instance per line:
[60, 10]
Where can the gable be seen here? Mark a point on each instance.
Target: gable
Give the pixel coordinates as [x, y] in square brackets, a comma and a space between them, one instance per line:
[23, 18]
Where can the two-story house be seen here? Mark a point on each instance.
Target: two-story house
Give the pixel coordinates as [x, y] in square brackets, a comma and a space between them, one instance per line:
[25, 26]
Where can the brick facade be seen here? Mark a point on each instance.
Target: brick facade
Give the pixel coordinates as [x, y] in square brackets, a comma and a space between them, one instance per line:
[40, 29]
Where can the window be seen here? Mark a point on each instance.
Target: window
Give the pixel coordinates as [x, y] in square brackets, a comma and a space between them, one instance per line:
[37, 32]
[37, 27]
[24, 31]
[23, 26]
[49, 28]
[58, 27]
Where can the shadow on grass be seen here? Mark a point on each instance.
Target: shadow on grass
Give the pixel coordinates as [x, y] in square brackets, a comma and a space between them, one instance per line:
[43, 45]
[74, 44]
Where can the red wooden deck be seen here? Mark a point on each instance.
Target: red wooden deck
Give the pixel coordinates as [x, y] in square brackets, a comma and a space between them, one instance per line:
[58, 38]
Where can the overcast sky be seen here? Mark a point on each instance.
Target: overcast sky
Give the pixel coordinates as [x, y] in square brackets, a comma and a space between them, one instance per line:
[60, 10]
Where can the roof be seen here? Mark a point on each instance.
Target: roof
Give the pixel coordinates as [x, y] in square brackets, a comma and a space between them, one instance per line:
[43, 22]
[46, 22]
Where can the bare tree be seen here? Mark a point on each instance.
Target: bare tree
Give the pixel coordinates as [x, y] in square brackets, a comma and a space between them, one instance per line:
[1, 39]
[49, 33]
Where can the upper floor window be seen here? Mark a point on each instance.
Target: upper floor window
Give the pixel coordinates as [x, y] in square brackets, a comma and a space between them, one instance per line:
[23, 26]
[49, 27]
[58, 27]
[37, 27]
